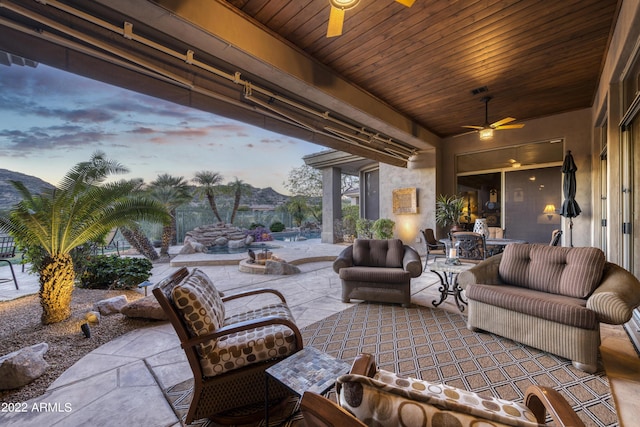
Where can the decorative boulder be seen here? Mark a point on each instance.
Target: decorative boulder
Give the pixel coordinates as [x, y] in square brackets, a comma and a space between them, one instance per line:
[281, 268]
[145, 308]
[111, 305]
[236, 244]
[221, 241]
[23, 366]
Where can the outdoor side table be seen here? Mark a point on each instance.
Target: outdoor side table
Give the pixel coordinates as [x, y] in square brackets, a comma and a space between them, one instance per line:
[307, 370]
[448, 274]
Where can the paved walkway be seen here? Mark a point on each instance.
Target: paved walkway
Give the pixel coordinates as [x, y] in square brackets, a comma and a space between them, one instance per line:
[122, 382]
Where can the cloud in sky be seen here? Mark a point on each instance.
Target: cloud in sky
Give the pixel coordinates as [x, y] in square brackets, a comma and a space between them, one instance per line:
[50, 120]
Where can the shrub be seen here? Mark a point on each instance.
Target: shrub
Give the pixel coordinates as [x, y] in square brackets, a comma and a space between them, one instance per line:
[114, 272]
[255, 225]
[363, 228]
[277, 227]
[260, 234]
[383, 228]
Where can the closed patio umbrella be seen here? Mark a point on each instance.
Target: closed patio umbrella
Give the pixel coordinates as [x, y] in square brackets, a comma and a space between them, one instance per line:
[570, 208]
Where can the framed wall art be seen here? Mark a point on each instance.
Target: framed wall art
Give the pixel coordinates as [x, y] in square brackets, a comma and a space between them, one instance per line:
[405, 201]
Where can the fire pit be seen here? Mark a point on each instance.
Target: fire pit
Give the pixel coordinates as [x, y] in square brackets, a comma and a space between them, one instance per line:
[265, 262]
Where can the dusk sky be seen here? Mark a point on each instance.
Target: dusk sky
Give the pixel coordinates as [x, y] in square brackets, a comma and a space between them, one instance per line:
[50, 120]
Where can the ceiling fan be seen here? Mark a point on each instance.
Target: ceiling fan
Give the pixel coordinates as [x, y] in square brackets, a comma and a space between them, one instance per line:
[486, 130]
[336, 17]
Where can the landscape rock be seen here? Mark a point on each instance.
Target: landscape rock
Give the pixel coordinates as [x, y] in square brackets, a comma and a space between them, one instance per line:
[215, 234]
[145, 308]
[221, 241]
[236, 244]
[111, 305]
[23, 366]
[281, 268]
[92, 317]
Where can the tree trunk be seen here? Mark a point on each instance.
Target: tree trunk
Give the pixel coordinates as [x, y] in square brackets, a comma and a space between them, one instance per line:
[173, 238]
[140, 242]
[236, 205]
[56, 286]
[214, 207]
[166, 239]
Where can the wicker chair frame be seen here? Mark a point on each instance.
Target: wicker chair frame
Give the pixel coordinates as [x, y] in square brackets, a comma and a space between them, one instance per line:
[222, 397]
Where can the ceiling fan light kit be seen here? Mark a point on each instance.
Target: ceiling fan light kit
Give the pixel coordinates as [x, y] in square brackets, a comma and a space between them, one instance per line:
[486, 130]
[486, 133]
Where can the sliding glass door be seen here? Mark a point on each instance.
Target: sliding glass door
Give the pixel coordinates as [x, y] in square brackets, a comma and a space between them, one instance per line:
[532, 200]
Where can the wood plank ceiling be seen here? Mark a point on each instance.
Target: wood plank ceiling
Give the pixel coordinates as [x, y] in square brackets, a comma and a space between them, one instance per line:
[536, 57]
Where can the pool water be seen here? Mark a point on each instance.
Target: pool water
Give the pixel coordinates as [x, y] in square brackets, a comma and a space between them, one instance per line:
[256, 247]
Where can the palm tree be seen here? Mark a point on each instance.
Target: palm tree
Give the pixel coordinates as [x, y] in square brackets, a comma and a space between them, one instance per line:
[238, 188]
[298, 208]
[171, 191]
[83, 208]
[208, 181]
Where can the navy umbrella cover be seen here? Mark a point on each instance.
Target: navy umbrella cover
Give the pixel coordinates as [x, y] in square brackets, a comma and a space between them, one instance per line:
[570, 208]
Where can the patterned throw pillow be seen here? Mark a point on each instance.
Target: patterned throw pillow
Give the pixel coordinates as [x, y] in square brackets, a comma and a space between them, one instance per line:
[388, 399]
[201, 306]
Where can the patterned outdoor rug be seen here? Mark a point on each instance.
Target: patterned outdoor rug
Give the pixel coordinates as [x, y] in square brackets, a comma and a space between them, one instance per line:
[435, 345]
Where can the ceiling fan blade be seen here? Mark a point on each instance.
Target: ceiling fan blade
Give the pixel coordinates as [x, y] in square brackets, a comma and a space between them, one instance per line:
[407, 3]
[516, 126]
[465, 133]
[474, 127]
[502, 122]
[336, 19]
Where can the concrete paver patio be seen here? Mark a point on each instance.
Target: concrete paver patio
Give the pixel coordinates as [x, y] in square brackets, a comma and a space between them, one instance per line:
[122, 382]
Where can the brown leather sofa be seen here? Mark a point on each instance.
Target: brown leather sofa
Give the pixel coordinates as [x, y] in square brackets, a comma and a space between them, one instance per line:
[551, 298]
[378, 270]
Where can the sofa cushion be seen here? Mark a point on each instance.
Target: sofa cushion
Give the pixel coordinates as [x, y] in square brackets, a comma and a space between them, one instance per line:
[557, 308]
[390, 400]
[378, 253]
[574, 272]
[376, 275]
[201, 306]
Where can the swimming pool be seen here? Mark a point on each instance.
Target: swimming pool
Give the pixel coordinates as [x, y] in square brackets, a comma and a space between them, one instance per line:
[256, 247]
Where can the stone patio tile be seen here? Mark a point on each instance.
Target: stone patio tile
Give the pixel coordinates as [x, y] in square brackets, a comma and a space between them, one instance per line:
[89, 366]
[135, 374]
[139, 343]
[70, 399]
[167, 357]
[129, 406]
[172, 374]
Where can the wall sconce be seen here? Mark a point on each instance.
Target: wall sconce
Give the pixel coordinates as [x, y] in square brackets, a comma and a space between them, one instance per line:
[549, 210]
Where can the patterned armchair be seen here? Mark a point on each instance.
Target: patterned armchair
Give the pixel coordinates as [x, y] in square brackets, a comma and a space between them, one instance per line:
[381, 398]
[227, 355]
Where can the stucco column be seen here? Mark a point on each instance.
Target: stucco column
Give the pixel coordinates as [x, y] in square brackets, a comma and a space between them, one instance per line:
[331, 202]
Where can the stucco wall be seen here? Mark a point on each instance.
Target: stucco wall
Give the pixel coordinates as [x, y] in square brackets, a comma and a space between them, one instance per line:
[422, 176]
[576, 130]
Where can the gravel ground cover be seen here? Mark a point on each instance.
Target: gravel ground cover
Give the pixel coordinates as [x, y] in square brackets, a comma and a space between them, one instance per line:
[20, 327]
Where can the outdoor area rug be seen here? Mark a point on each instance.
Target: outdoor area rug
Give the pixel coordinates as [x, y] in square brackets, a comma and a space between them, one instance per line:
[435, 345]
